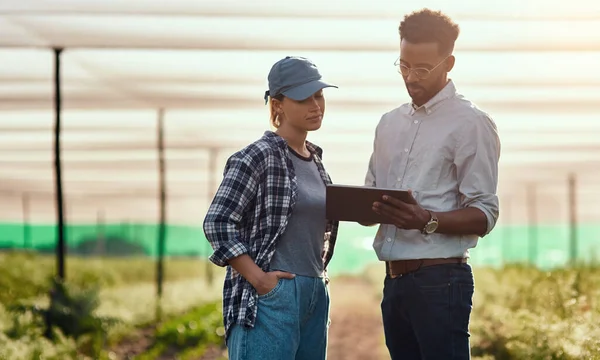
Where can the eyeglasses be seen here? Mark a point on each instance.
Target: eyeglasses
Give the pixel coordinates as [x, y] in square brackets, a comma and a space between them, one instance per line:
[420, 73]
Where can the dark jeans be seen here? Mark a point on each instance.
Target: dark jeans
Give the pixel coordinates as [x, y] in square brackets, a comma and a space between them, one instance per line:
[426, 313]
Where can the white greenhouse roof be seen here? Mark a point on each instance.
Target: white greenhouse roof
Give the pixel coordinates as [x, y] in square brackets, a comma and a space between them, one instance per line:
[205, 64]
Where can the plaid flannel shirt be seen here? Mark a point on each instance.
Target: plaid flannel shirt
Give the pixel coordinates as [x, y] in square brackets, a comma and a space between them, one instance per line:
[250, 212]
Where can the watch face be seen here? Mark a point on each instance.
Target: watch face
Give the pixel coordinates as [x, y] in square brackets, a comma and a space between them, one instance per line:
[431, 227]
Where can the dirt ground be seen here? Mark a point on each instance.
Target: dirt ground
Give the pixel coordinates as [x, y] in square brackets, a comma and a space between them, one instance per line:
[356, 330]
[355, 333]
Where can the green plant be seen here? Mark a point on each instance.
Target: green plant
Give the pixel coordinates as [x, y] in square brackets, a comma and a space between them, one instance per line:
[106, 288]
[190, 334]
[202, 325]
[27, 275]
[522, 312]
[38, 347]
[22, 276]
[71, 310]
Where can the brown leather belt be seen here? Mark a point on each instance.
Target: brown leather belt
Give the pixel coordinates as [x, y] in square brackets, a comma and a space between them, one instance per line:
[401, 267]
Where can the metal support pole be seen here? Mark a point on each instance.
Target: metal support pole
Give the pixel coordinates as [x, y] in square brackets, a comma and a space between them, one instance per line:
[100, 233]
[573, 246]
[507, 231]
[162, 205]
[213, 154]
[61, 244]
[533, 224]
[26, 219]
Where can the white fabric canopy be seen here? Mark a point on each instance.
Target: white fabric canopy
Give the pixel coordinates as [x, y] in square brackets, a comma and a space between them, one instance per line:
[205, 63]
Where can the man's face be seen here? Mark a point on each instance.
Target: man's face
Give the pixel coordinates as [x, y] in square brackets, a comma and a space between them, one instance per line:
[414, 60]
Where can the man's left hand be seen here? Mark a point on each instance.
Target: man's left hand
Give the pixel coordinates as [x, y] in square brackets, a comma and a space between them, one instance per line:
[404, 215]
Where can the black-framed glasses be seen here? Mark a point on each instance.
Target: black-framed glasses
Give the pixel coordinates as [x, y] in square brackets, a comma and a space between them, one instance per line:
[420, 73]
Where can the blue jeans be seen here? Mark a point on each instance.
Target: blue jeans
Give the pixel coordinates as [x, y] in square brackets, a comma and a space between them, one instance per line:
[426, 313]
[291, 323]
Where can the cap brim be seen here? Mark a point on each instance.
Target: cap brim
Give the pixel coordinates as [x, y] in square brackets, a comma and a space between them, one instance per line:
[305, 91]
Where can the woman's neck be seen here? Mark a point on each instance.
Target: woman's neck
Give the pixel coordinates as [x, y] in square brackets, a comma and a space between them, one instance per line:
[295, 139]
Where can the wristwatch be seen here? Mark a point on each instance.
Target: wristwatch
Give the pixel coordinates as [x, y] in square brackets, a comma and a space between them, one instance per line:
[431, 225]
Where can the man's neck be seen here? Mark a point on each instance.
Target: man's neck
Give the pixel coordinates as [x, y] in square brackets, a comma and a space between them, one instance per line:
[421, 103]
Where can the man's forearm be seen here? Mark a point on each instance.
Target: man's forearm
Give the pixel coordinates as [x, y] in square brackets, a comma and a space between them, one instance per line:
[468, 221]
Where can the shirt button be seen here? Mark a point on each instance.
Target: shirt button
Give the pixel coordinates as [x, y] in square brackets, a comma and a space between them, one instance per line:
[405, 150]
[388, 240]
[416, 121]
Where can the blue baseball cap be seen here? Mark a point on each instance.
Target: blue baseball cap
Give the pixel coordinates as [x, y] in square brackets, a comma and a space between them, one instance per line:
[296, 78]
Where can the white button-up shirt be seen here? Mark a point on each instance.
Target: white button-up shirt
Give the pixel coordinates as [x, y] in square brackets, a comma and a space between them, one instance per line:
[447, 152]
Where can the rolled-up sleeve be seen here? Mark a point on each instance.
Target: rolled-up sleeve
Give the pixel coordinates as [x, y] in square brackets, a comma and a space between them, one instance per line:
[476, 159]
[236, 191]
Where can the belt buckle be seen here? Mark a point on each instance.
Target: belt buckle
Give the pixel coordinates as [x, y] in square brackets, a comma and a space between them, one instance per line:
[392, 275]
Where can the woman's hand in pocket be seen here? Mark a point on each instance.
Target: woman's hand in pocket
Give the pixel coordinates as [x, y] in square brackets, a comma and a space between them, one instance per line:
[269, 280]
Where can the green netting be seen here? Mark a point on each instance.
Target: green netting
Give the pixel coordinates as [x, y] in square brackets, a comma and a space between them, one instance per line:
[353, 252]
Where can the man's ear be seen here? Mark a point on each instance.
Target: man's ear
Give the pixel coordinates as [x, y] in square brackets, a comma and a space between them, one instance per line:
[450, 63]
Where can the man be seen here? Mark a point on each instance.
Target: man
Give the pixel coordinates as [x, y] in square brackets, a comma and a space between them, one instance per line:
[445, 151]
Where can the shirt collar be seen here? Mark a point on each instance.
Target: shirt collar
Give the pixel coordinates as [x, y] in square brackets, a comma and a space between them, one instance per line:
[447, 92]
[277, 140]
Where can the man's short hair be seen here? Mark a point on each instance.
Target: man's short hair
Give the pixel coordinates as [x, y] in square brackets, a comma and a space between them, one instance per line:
[427, 26]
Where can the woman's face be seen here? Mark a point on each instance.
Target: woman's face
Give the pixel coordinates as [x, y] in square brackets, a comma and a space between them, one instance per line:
[304, 115]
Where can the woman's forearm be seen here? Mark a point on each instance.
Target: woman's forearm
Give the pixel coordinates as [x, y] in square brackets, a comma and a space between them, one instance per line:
[248, 269]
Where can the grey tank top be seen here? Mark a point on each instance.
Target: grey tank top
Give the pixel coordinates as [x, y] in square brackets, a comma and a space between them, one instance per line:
[299, 250]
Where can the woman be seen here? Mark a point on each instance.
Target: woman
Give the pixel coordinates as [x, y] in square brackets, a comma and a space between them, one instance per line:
[267, 225]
